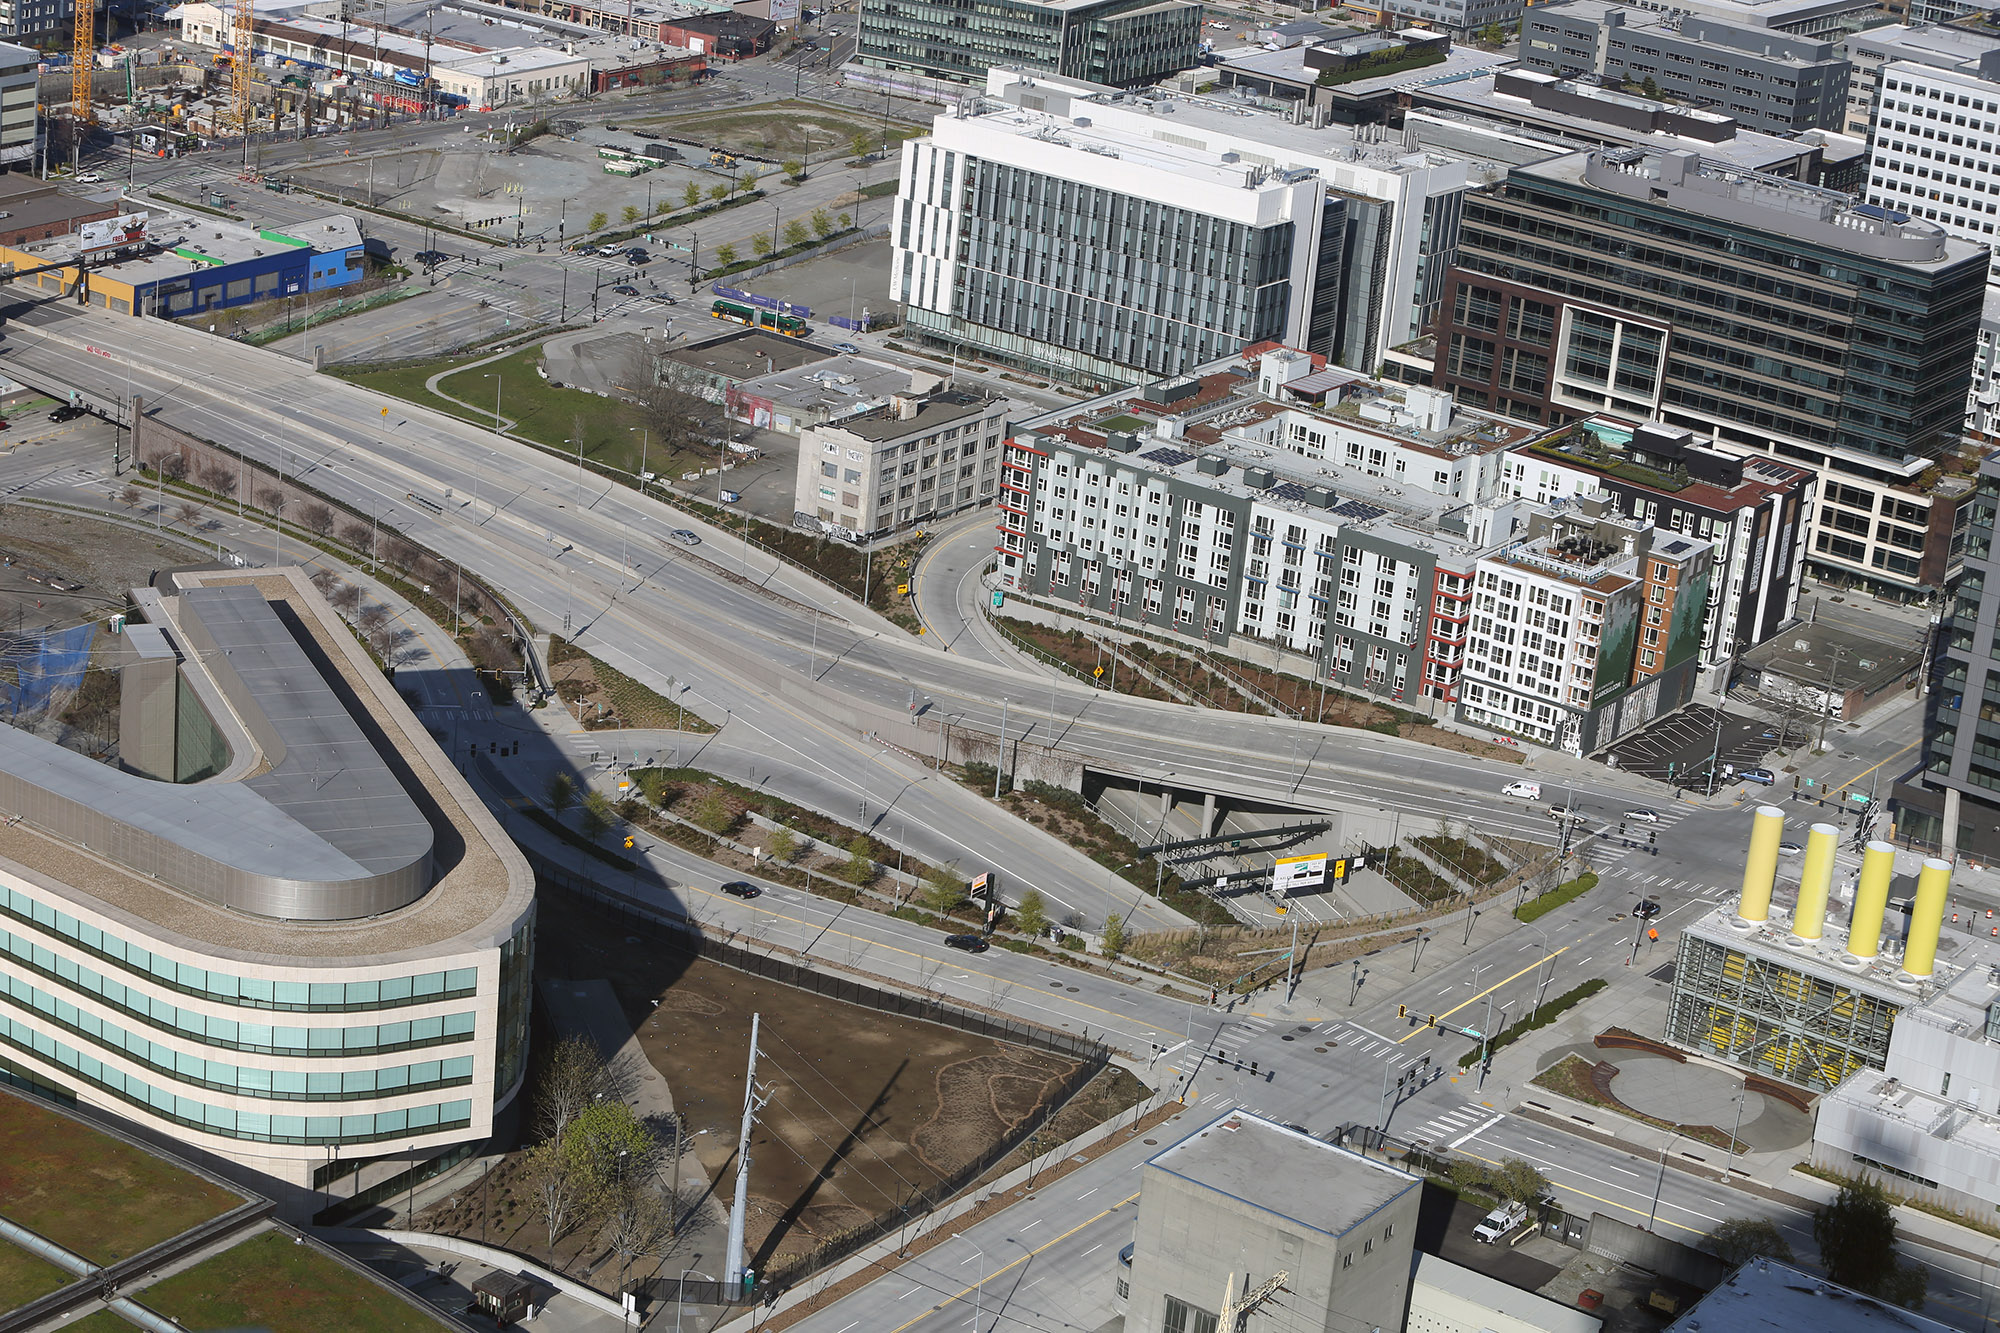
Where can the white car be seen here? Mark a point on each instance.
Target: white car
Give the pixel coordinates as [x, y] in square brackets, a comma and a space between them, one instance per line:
[1527, 791]
[1642, 816]
[89, 178]
[1499, 1222]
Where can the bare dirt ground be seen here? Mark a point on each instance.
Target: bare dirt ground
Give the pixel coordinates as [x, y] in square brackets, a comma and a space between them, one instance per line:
[105, 559]
[865, 1109]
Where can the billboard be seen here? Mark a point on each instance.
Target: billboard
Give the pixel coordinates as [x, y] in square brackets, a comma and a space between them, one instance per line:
[127, 229]
[784, 11]
[1298, 872]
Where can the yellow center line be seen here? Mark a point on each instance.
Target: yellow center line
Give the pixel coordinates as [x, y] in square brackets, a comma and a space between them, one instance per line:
[1872, 767]
[1609, 1203]
[1488, 991]
[1054, 1240]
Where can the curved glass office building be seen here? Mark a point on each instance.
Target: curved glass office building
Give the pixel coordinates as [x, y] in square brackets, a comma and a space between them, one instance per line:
[312, 962]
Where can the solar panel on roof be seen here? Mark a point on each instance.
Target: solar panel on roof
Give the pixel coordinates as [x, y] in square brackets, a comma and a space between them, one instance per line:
[1360, 511]
[1289, 490]
[1167, 457]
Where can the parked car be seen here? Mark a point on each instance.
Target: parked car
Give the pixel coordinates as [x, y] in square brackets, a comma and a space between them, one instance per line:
[741, 888]
[646, 134]
[684, 537]
[1763, 777]
[846, 349]
[1643, 816]
[1499, 1222]
[67, 412]
[1789, 849]
[969, 943]
[1527, 791]
[624, 289]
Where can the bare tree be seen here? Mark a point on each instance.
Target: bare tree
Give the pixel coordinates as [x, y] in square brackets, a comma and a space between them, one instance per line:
[572, 1076]
[640, 1221]
[170, 465]
[129, 496]
[679, 419]
[272, 499]
[345, 597]
[371, 620]
[189, 511]
[357, 535]
[325, 580]
[317, 517]
[220, 478]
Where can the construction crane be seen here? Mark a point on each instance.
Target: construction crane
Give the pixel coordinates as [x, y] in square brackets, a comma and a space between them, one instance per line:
[82, 59]
[239, 72]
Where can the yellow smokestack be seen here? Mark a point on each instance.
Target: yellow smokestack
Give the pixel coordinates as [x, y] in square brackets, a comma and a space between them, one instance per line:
[1871, 899]
[1927, 917]
[1761, 867]
[1816, 882]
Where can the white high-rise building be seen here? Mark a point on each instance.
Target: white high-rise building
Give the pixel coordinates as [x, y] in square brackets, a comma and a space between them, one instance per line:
[1933, 153]
[1102, 235]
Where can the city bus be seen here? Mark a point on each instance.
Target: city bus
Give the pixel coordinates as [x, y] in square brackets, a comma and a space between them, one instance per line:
[738, 313]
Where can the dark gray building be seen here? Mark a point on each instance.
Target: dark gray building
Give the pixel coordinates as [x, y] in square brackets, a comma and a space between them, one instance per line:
[1767, 80]
[1117, 42]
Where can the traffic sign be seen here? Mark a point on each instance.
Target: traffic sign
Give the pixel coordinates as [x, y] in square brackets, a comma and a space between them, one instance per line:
[1097, 671]
[1298, 872]
[999, 598]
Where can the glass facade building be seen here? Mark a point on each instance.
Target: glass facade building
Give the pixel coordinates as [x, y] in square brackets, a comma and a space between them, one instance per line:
[1118, 42]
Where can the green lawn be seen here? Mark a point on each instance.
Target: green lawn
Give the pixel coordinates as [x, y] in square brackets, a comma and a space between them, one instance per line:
[103, 1321]
[23, 1277]
[613, 431]
[269, 1282]
[783, 130]
[100, 1197]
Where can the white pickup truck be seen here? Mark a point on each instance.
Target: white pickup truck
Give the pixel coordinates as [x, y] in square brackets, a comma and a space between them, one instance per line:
[1500, 1222]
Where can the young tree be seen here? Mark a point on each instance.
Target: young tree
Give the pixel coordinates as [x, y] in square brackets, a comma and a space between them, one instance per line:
[797, 233]
[551, 1180]
[784, 845]
[607, 1144]
[748, 180]
[761, 244]
[272, 499]
[629, 214]
[725, 254]
[220, 479]
[1741, 1239]
[691, 196]
[846, 221]
[317, 517]
[1113, 939]
[861, 144]
[794, 168]
[189, 511]
[713, 813]
[572, 1075]
[597, 817]
[171, 466]
[560, 794]
[129, 496]
[943, 890]
[638, 1221]
[860, 868]
[357, 535]
[718, 192]
[1520, 1181]
[1031, 914]
[597, 221]
[822, 223]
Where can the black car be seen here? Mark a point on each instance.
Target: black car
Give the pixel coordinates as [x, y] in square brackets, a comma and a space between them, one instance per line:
[638, 256]
[67, 412]
[624, 289]
[969, 943]
[645, 134]
[432, 257]
[740, 888]
[1646, 909]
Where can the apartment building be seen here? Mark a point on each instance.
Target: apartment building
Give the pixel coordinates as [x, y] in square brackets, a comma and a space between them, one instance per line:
[1752, 509]
[1768, 81]
[1647, 285]
[1937, 45]
[1115, 42]
[1309, 509]
[1932, 153]
[1585, 629]
[1107, 238]
[919, 457]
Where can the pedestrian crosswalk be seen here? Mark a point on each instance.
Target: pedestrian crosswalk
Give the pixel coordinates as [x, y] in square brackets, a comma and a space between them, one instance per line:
[71, 476]
[1659, 883]
[1449, 1129]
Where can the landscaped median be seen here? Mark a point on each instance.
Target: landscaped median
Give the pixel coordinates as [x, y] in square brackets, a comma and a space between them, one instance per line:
[1540, 906]
[1540, 1018]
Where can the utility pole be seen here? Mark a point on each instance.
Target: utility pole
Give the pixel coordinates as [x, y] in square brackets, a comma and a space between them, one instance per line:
[1000, 759]
[736, 1277]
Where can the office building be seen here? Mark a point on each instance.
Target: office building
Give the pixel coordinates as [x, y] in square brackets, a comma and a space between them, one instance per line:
[1768, 81]
[1356, 77]
[18, 104]
[1802, 996]
[1829, 19]
[1954, 801]
[1932, 153]
[1114, 42]
[306, 958]
[1982, 401]
[1937, 45]
[1460, 16]
[1100, 237]
[1753, 509]
[1244, 1204]
[916, 458]
[1331, 518]
[1608, 282]
[1585, 628]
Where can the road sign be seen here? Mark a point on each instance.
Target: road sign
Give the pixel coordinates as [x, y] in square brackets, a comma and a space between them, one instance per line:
[999, 599]
[1299, 872]
[1857, 798]
[1097, 671]
[1341, 868]
[902, 590]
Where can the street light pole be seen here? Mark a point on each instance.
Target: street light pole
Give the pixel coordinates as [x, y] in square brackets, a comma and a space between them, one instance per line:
[978, 1292]
[680, 1291]
[1660, 1183]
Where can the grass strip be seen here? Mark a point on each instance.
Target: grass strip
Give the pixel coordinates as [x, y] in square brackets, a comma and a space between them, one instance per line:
[1540, 906]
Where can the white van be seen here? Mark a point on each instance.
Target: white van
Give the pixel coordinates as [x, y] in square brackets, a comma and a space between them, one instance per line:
[1527, 791]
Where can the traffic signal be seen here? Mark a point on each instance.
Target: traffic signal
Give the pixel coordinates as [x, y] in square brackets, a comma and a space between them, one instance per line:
[1651, 837]
[1402, 1011]
[628, 842]
[1433, 1021]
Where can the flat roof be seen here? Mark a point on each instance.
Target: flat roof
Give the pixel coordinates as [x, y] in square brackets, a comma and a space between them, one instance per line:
[744, 354]
[513, 60]
[1755, 13]
[938, 409]
[1823, 654]
[1490, 1293]
[1930, 43]
[1266, 1166]
[482, 885]
[1827, 958]
[840, 384]
[1765, 1296]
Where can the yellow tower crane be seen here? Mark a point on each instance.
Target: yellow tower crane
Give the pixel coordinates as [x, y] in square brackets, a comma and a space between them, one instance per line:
[82, 60]
[239, 72]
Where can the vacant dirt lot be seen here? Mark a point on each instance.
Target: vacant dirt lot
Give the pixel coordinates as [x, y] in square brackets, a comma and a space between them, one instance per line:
[106, 560]
[865, 1109]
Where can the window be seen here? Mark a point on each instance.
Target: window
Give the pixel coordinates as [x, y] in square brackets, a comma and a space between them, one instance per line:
[1185, 1318]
